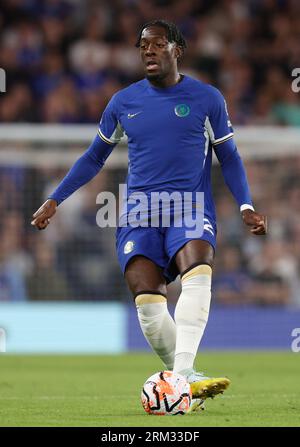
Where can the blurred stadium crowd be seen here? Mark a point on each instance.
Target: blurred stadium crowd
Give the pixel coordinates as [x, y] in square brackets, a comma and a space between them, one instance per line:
[65, 58]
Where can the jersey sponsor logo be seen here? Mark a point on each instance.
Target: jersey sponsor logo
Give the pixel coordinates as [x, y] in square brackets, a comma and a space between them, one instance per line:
[129, 246]
[182, 110]
[132, 115]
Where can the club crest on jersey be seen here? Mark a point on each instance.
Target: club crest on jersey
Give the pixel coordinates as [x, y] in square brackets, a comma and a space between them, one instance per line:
[129, 246]
[182, 110]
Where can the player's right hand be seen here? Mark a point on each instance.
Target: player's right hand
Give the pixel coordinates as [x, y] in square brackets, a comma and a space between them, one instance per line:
[41, 218]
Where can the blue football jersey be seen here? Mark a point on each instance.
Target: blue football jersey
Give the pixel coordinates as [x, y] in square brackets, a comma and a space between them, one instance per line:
[171, 132]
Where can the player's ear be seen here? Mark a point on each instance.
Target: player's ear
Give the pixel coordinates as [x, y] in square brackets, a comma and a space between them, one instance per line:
[178, 52]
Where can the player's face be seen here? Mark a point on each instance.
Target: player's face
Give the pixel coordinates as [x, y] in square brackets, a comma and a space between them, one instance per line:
[159, 56]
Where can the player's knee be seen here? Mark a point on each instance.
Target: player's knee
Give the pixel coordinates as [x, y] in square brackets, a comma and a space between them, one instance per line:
[142, 276]
[139, 288]
[195, 252]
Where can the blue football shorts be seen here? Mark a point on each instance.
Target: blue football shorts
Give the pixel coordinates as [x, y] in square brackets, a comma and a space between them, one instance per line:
[159, 244]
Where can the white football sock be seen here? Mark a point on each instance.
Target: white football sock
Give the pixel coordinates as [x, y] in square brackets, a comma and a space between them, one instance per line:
[157, 325]
[191, 315]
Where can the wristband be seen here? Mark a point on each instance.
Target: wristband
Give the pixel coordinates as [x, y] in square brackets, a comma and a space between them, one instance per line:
[246, 206]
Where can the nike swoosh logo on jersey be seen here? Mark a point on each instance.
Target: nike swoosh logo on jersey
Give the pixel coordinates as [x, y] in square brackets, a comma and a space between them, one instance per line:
[132, 115]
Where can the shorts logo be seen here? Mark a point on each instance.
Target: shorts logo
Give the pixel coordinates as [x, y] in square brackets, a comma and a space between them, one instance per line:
[182, 110]
[129, 246]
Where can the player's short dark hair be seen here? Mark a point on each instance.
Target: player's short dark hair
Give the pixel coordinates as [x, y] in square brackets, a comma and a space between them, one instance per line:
[173, 32]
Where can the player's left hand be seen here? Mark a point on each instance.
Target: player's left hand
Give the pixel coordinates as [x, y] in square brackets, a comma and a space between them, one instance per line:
[256, 221]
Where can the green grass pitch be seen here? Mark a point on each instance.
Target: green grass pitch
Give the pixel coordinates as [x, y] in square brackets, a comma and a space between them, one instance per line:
[104, 391]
